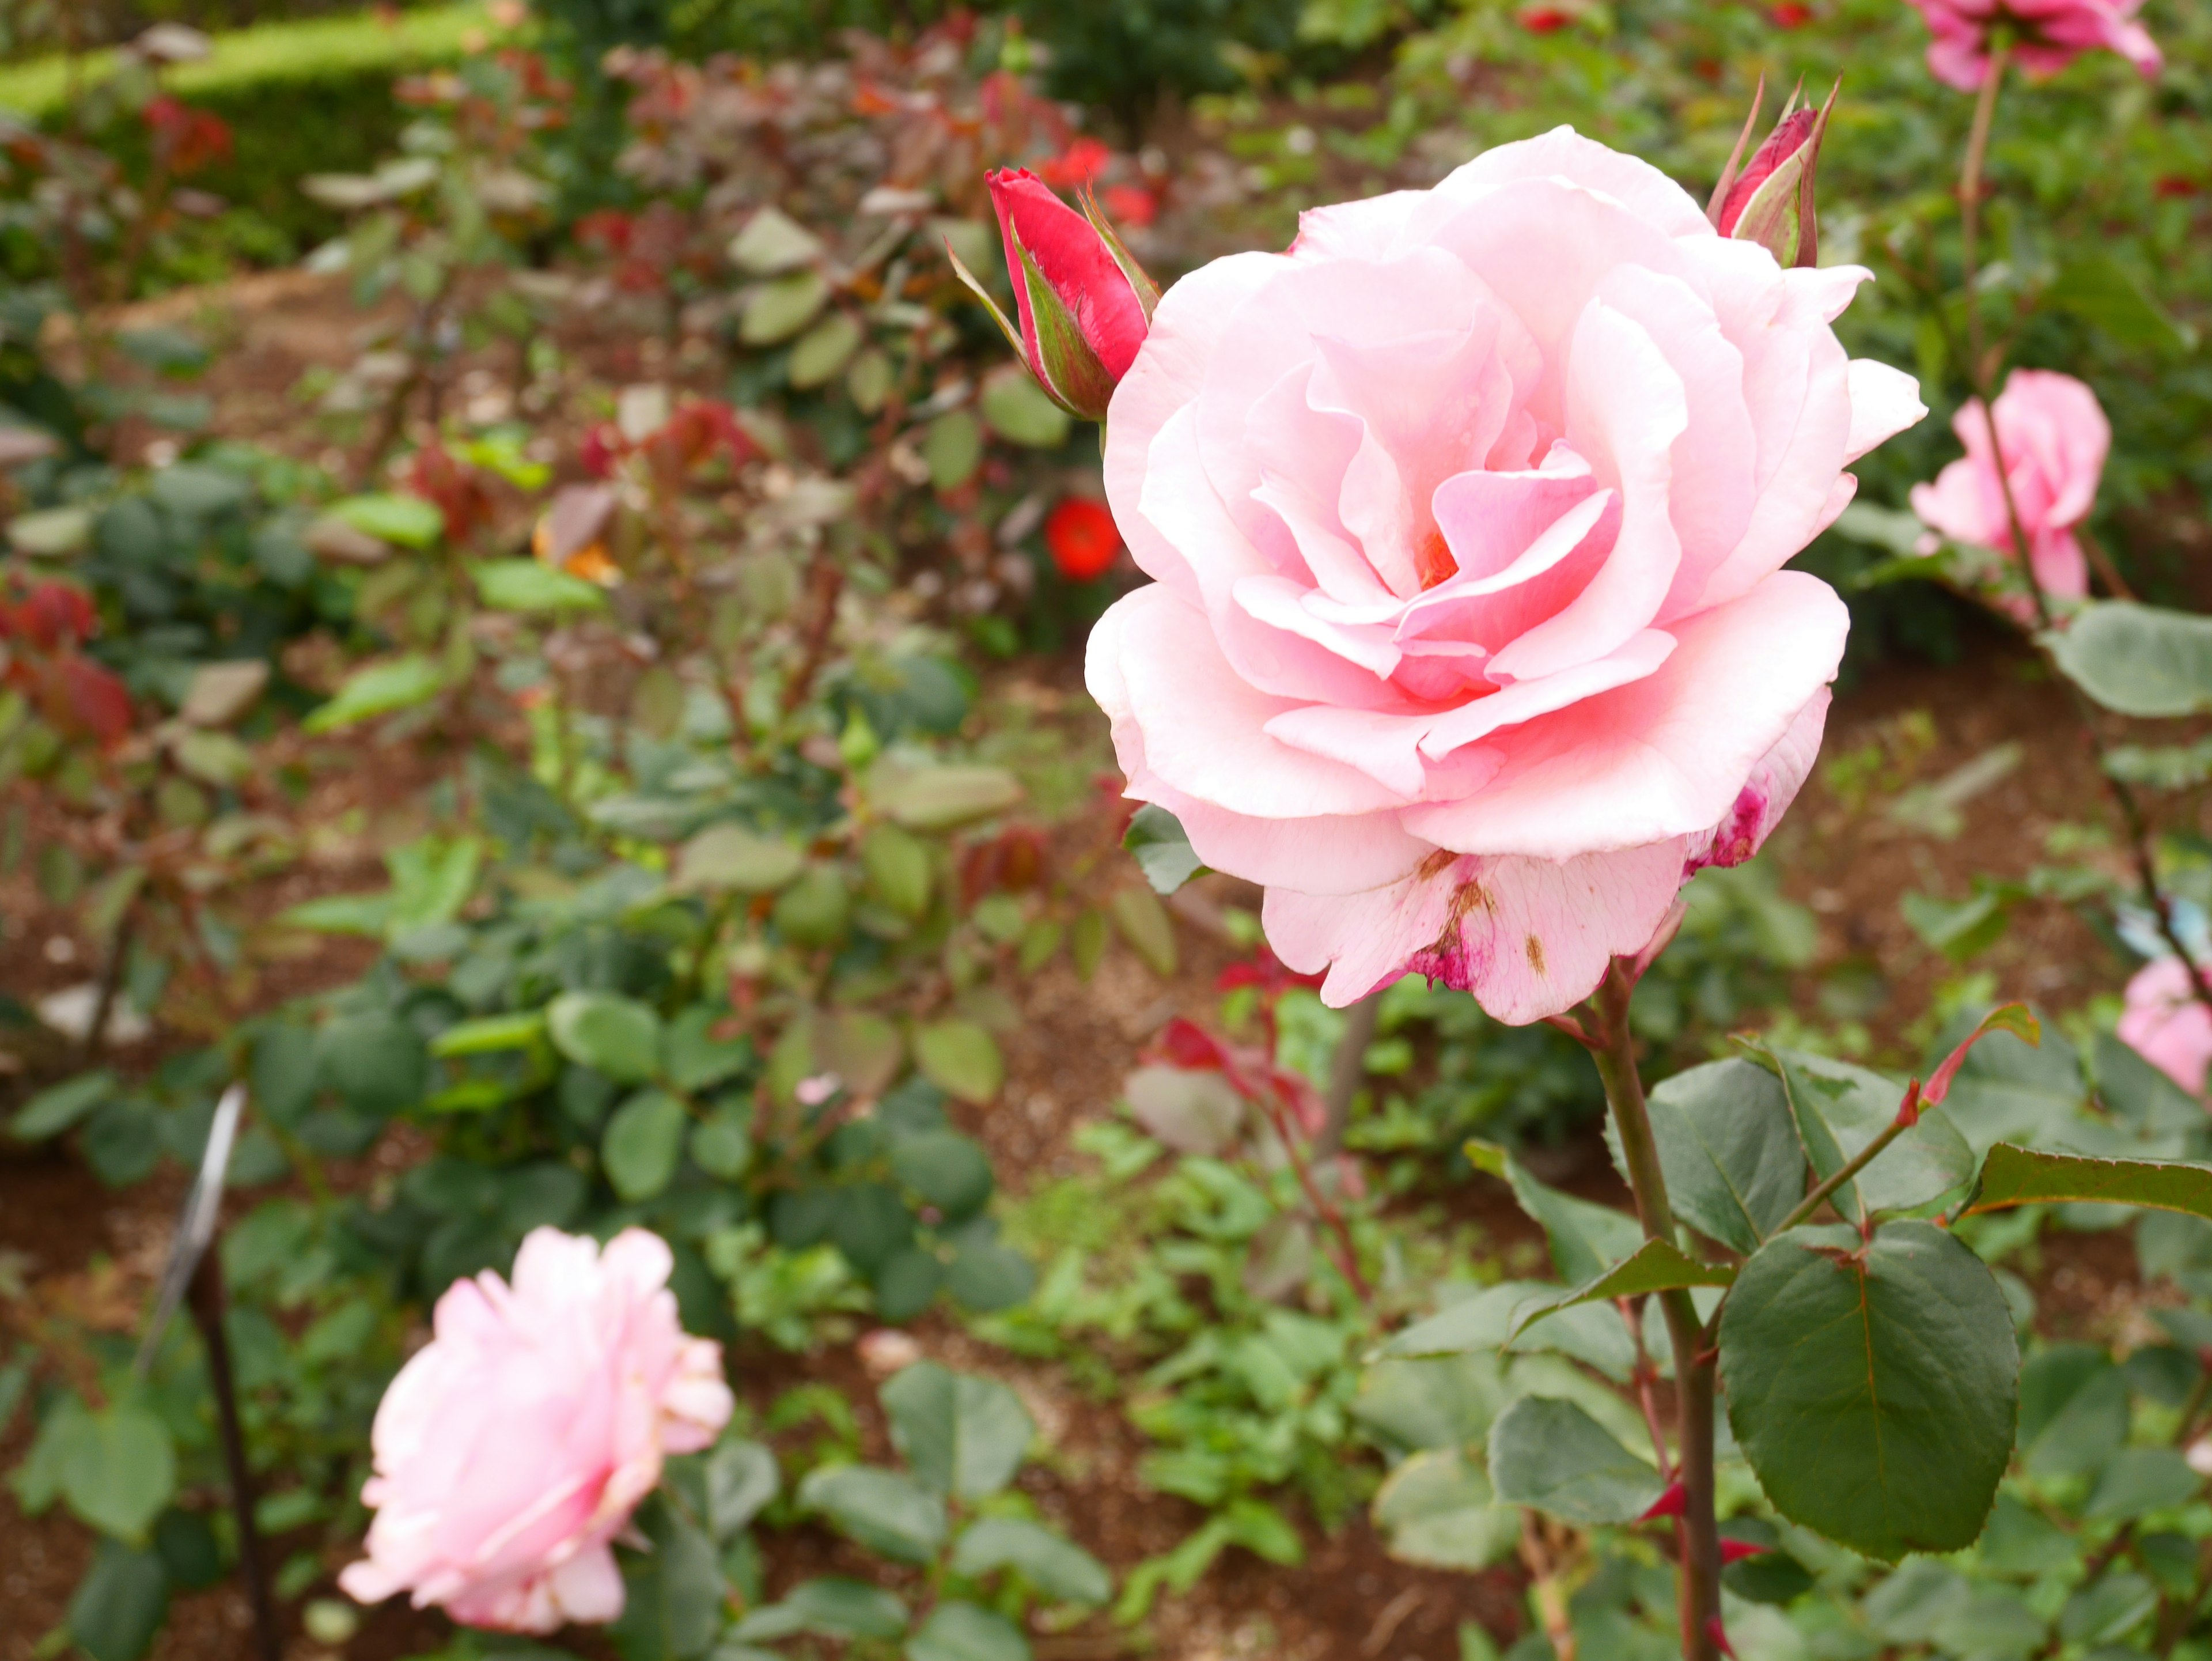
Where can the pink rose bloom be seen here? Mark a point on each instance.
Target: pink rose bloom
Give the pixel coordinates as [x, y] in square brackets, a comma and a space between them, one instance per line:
[2054, 438]
[2166, 1025]
[2048, 35]
[512, 1448]
[1470, 638]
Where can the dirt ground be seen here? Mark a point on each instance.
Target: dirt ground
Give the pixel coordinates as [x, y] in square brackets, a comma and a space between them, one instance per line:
[1843, 852]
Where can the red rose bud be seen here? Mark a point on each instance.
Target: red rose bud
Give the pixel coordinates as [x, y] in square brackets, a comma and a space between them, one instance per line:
[1083, 302]
[1770, 202]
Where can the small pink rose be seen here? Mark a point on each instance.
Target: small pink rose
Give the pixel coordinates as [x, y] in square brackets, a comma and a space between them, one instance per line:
[512, 1448]
[2054, 437]
[2166, 1024]
[2048, 35]
[1468, 637]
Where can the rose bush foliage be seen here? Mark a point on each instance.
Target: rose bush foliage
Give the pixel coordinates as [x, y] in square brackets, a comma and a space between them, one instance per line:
[1468, 637]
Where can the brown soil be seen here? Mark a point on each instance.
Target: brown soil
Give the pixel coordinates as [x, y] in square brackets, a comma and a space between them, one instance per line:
[72, 1242]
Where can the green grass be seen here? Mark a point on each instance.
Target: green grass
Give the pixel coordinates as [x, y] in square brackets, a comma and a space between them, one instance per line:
[316, 49]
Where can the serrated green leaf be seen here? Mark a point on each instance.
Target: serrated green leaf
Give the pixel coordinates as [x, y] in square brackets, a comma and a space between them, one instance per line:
[1728, 1149]
[963, 1436]
[1655, 1266]
[1553, 1457]
[2022, 1175]
[528, 585]
[1586, 1239]
[607, 1032]
[1056, 1567]
[118, 1469]
[1839, 1109]
[883, 1510]
[1161, 849]
[1873, 1384]
[2135, 659]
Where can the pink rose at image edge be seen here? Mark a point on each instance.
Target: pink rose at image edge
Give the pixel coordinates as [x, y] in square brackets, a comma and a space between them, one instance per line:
[1468, 637]
[2166, 1025]
[2054, 438]
[512, 1448]
[2049, 35]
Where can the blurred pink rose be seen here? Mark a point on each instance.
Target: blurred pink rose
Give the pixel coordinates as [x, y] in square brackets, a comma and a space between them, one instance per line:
[2054, 437]
[2166, 1025]
[1470, 638]
[2049, 34]
[512, 1448]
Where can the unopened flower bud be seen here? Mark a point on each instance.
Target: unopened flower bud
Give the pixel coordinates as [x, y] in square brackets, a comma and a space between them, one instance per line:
[1082, 303]
[1771, 201]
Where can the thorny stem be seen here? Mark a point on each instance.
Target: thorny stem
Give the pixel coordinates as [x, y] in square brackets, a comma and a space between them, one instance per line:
[2134, 820]
[1697, 1533]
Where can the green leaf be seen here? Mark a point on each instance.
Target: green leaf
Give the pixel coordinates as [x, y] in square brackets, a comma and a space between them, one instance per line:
[529, 585]
[2007, 1089]
[834, 1607]
[773, 242]
[931, 798]
[57, 1107]
[2138, 660]
[120, 1605]
[1872, 1384]
[1021, 411]
[781, 309]
[1586, 1239]
[963, 1436]
[1142, 922]
[51, 533]
[409, 521]
[490, 1035]
[889, 1513]
[378, 689]
[1655, 1266]
[2098, 289]
[1840, 1108]
[643, 1144]
[1436, 1510]
[1058, 1567]
[823, 350]
[1553, 1455]
[960, 1058]
[962, 1632]
[2073, 1411]
[1161, 849]
[1728, 1147]
[730, 857]
[694, 1058]
[953, 449]
[375, 1061]
[2022, 1175]
[988, 1277]
[118, 1469]
[604, 1031]
[898, 869]
[340, 913]
[946, 1170]
[674, 1594]
[2140, 1480]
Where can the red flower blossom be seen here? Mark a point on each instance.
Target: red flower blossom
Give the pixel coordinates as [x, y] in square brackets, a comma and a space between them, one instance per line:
[1790, 15]
[1081, 537]
[1079, 164]
[1133, 204]
[1545, 20]
[185, 140]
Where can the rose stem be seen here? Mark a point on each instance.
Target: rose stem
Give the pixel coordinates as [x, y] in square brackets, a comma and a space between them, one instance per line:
[2134, 821]
[1698, 1532]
